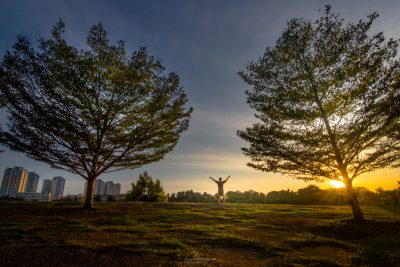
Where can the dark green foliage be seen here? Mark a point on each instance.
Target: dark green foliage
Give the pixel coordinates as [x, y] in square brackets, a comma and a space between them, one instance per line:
[282, 197]
[379, 197]
[111, 198]
[7, 198]
[310, 195]
[245, 197]
[327, 99]
[146, 190]
[313, 195]
[90, 111]
[190, 196]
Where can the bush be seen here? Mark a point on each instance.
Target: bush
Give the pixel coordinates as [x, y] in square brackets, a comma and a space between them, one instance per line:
[146, 190]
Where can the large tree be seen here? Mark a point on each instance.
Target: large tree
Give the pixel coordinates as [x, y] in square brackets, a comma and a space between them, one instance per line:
[90, 111]
[327, 99]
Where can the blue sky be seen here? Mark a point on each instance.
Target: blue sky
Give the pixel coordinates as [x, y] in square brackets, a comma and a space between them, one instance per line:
[206, 43]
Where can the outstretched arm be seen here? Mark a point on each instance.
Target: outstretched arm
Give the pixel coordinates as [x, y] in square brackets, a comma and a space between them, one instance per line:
[212, 179]
[227, 179]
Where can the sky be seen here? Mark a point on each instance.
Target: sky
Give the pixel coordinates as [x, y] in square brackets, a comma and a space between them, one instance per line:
[206, 43]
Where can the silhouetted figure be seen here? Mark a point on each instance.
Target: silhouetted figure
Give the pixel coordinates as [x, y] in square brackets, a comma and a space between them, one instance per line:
[220, 184]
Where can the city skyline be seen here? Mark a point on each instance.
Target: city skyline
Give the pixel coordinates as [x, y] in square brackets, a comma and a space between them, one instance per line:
[19, 182]
[206, 44]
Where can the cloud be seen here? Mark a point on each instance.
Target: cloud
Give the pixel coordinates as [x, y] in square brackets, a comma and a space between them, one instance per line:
[209, 159]
[220, 122]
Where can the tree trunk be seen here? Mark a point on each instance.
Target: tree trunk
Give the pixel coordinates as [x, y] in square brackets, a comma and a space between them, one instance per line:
[355, 205]
[89, 193]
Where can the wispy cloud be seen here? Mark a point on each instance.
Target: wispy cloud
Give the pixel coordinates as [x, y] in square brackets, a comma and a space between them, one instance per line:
[209, 159]
[222, 122]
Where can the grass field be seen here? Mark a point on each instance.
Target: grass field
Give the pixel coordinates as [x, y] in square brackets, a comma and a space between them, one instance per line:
[175, 234]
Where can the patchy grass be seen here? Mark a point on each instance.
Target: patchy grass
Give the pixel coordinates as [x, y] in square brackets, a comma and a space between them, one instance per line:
[181, 234]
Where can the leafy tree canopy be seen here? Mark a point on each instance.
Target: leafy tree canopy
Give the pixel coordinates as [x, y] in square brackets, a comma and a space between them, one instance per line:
[146, 190]
[327, 99]
[90, 111]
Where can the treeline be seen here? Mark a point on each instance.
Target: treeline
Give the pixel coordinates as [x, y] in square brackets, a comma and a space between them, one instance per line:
[311, 195]
[145, 189]
[190, 196]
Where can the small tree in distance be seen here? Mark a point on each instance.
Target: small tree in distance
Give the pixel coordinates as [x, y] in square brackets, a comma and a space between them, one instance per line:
[90, 111]
[327, 96]
[146, 190]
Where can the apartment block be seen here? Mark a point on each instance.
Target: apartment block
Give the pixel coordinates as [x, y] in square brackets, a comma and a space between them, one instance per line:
[102, 188]
[117, 189]
[46, 187]
[57, 188]
[109, 191]
[99, 187]
[32, 183]
[14, 180]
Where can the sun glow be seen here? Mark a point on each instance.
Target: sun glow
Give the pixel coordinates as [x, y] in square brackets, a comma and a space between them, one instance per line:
[336, 183]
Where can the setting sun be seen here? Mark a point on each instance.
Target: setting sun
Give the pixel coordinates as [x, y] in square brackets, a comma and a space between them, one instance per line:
[336, 183]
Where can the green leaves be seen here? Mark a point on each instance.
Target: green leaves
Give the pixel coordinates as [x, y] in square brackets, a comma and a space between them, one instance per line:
[324, 95]
[146, 190]
[90, 111]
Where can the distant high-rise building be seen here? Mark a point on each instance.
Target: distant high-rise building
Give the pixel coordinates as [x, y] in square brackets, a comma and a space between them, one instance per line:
[32, 183]
[102, 188]
[117, 189]
[99, 187]
[57, 188]
[46, 188]
[14, 180]
[109, 188]
[6, 181]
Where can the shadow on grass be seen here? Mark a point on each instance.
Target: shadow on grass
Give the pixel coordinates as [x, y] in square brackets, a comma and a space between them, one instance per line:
[378, 241]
